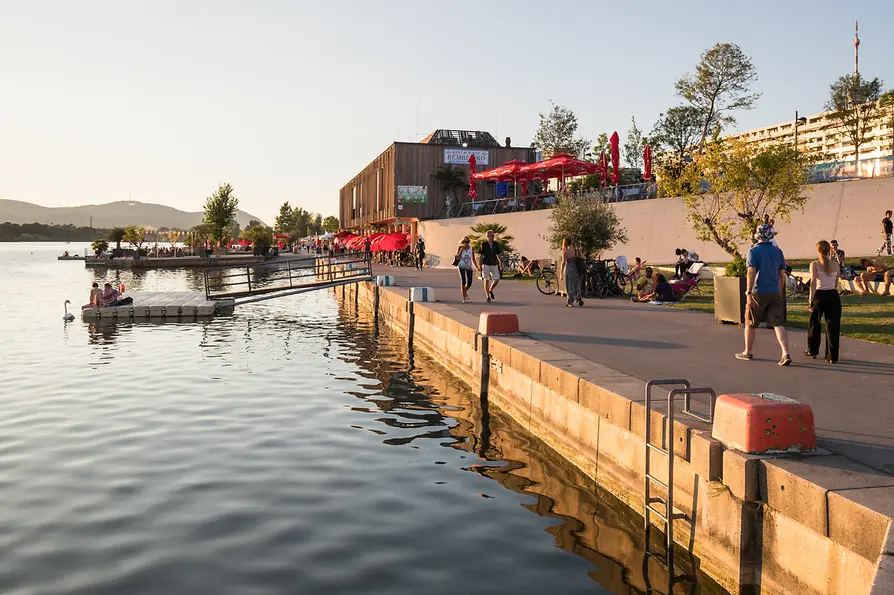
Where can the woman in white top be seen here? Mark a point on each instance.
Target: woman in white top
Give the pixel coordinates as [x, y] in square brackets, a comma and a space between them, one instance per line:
[824, 303]
[464, 260]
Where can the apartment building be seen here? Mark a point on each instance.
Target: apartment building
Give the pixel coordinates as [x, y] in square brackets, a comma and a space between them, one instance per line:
[820, 134]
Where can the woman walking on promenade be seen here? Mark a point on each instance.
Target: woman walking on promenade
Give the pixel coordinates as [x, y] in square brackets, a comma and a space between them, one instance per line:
[463, 261]
[824, 303]
[573, 265]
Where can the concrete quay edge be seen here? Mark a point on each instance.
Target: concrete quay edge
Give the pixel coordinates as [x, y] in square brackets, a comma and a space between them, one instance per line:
[838, 509]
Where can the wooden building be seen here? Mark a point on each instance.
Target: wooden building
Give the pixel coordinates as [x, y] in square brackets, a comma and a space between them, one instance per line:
[399, 186]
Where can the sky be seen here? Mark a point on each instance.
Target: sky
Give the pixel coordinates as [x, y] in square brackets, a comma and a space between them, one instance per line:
[288, 100]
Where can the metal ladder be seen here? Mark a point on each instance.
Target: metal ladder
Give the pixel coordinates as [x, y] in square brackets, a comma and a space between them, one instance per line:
[669, 515]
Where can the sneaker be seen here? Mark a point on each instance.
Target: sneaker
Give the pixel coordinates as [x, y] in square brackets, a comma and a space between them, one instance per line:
[745, 356]
[489, 299]
[786, 360]
[492, 296]
[580, 303]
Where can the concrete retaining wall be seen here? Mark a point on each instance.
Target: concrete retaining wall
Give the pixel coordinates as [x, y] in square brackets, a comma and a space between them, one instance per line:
[809, 526]
[850, 212]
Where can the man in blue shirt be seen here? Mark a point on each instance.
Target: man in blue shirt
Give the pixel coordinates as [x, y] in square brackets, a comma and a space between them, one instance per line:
[765, 288]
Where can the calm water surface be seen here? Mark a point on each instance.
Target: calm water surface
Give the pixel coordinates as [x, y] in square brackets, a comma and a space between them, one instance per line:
[289, 448]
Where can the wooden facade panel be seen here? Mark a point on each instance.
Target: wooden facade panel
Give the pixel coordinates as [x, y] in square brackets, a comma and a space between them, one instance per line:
[411, 164]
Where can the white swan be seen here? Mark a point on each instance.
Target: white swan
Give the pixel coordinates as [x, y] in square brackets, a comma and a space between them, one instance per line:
[67, 316]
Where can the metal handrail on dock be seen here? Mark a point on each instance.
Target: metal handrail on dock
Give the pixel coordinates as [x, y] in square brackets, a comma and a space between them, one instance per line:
[265, 281]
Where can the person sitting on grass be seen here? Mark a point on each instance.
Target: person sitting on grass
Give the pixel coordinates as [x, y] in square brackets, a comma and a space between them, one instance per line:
[526, 268]
[875, 271]
[634, 273]
[645, 285]
[662, 292]
[794, 284]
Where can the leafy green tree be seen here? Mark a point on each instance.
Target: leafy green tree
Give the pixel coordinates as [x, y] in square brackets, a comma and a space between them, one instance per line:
[116, 234]
[452, 180]
[635, 145]
[330, 224]
[252, 223]
[99, 245]
[285, 220]
[135, 236]
[260, 236]
[886, 103]
[479, 231]
[732, 186]
[198, 236]
[721, 85]
[854, 103]
[588, 221]
[678, 129]
[557, 132]
[220, 212]
[602, 144]
[317, 224]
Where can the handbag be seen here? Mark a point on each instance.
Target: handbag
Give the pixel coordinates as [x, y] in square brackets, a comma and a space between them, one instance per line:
[579, 263]
[456, 260]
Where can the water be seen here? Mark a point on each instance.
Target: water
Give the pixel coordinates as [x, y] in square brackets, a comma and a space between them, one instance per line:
[289, 448]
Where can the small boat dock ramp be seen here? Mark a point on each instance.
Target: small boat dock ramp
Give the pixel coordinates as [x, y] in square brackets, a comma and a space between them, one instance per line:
[228, 287]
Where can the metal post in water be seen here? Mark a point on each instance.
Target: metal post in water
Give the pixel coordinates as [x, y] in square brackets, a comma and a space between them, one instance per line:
[411, 325]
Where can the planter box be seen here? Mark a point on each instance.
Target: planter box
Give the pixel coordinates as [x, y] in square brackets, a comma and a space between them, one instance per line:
[729, 299]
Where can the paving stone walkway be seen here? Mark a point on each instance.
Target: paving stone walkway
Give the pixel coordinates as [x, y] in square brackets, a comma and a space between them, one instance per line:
[852, 401]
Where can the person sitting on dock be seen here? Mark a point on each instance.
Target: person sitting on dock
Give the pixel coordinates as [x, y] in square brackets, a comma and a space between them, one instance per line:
[110, 295]
[95, 298]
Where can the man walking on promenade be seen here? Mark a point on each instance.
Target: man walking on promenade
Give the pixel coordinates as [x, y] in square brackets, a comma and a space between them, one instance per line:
[766, 293]
[491, 265]
[887, 229]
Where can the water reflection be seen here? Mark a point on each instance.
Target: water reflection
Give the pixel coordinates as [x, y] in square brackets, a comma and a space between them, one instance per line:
[593, 524]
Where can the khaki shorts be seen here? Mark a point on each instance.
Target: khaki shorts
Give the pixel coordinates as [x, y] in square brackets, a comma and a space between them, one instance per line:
[770, 308]
[490, 271]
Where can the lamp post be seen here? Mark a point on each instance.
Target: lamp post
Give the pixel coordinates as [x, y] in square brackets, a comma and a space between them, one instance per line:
[798, 121]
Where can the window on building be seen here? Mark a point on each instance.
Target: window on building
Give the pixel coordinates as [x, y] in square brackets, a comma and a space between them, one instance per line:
[354, 202]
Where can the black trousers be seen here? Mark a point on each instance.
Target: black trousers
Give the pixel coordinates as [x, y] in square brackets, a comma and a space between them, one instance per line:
[826, 304]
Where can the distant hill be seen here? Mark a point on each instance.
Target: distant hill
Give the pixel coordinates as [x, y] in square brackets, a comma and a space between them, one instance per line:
[114, 214]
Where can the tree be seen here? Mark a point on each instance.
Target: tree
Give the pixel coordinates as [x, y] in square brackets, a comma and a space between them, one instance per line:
[854, 103]
[285, 221]
[721, 84]
[678, 129]
[220, 212]
[602, 144]
[588, 221]
[260, 236]
[252, 223]
[452, 180]
[116, 234]
[198, 236]
[331, 224]
[173, 236]
[556, 133]
[886, 103]
[317, 224]
[635, 145]
[135, 236]
[99, 246]
[732, 186]
[479, 231]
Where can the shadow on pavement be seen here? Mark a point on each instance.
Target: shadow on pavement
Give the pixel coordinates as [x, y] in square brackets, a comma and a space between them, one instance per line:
[638, 343]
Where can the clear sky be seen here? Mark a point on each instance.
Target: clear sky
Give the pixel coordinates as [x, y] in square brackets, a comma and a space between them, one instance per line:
[287, 100]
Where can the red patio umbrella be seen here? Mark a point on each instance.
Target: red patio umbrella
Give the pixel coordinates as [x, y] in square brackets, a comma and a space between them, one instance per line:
[647, 164]
[616, 158]
[473, 188]
[391, 242]
[603, 161]
[508, 172]
[559, 166]
[282, 236]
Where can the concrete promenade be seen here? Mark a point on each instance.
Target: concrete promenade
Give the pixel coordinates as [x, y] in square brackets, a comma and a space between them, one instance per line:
[853, 401]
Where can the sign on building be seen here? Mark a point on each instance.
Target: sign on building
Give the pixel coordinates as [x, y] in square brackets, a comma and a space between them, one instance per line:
[461, 156]
[412, 194]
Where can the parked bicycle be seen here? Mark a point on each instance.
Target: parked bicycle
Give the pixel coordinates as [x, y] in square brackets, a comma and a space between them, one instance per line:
[546, 281]
[603, 279]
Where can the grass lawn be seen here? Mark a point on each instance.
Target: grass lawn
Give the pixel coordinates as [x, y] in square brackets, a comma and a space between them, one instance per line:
[866, 317]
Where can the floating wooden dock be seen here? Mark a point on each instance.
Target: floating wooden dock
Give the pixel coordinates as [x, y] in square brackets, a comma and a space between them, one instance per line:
[161, 304]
